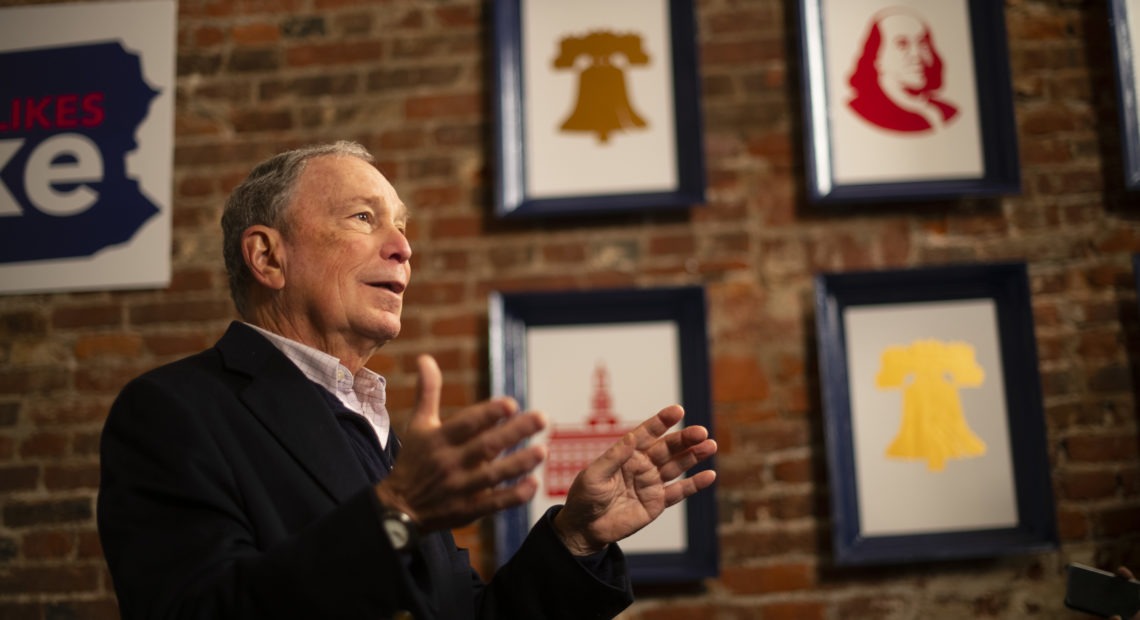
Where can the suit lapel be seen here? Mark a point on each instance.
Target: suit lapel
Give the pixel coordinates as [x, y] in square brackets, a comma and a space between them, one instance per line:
[287, 403]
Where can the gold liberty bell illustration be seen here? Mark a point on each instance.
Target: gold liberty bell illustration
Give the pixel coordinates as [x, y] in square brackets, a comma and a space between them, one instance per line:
[603, 103]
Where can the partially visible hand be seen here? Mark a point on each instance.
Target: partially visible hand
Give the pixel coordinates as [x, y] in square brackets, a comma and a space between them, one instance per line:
[628, 486]
[1127, 574]
[449, 472]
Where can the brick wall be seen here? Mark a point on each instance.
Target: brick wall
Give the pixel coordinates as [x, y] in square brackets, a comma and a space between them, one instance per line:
[408, 78]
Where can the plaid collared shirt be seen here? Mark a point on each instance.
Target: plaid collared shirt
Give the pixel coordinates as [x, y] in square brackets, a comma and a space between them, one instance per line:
[363, 393]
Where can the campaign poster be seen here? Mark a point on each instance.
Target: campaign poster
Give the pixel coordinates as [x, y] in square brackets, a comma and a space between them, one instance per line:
[86, 145]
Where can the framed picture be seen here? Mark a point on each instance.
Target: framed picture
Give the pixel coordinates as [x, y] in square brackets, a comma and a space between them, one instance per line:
[597, 107]
[599, 363]
[934, 423]
[907, 99]
[1124, 18]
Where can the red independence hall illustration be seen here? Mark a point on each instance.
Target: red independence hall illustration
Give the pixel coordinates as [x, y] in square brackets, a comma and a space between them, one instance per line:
[573, 447]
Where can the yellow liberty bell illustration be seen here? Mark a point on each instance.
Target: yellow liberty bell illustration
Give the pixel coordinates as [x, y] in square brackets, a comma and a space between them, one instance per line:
[603, 104]
[933, 424]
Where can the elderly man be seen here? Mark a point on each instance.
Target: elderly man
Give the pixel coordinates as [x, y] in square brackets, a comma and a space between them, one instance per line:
[261, 478]
[899, 75]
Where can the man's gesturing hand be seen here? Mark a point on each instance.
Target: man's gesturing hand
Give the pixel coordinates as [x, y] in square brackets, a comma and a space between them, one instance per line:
[449, 472]
[627, 487]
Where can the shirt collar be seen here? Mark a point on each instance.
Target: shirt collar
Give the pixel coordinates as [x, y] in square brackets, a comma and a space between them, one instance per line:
[324, 369]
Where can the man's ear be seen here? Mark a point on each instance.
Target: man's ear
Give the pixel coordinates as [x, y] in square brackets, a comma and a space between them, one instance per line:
[264, 252]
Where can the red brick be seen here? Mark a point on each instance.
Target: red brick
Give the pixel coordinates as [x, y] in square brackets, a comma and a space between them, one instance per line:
[1089, 485]
[684, 244]
[107, 377]
[108, 346]
[186, 280]
[37, 513]
[47, 544]
[881, 607]
[88, 316]
[1101, 448]
[256, 120]
[744, 546]
[678, 610]
[208, 9]
[437, 196]
[88, 545]
[766, 579]
[208, 36]
[1048, 119]
[738, 379]
[326, 5]
[329, 54]
[45, 444]
[464, 17]
[796, 610]
[442, 293]
[442, 106]
[174, 311]
[1072, 525]
[179, 344]
[17, 478]
[795, 470]
[50, 580]
[772, 435]
[457, 227]
[71, 477]
[104, 609]
[20, 611]
[780, 507]
[1119, 521]
[258, 33]
[730, 52]
[458, 326]
[85, 444]
[22, 324]
[29, 381]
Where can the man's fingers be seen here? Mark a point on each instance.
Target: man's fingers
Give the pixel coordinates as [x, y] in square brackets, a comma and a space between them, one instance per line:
[687, 487]
[473, 420]
[509, 467]
[676, 443]
[652, 429]
[684, 461]
[645, 437]
[491, 442]
[428, 386]
[506, 497]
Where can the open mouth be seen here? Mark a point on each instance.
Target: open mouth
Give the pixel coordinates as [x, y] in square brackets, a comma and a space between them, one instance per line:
[395, 287]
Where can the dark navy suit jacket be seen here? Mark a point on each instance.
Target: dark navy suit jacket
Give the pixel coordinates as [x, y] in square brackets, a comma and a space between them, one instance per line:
[229, 491]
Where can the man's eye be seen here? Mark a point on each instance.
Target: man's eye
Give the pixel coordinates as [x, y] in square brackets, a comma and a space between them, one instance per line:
[364, 217]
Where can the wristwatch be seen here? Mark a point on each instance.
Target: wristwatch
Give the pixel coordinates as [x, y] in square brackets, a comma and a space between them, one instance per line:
[400, 528]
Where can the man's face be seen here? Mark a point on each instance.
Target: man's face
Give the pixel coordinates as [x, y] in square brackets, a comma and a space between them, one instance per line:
[905, 52]
[346, 255]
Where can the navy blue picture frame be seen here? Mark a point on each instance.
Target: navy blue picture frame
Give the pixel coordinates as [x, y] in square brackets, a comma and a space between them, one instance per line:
[512, 314]
[1007, 285]
[512, 199]
[1128, 110]
[998, 129]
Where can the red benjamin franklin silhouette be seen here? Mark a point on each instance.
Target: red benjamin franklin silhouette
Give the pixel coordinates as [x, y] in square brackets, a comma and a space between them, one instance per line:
[897, 77]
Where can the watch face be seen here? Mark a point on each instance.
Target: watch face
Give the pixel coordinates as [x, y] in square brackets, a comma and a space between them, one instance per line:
[397, 533]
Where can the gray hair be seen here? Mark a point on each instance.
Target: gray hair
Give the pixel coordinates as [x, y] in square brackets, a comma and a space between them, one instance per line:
[261, 199]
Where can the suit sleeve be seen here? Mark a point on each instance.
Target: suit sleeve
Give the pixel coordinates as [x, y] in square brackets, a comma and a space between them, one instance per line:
[180, 544]
[543, 580]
